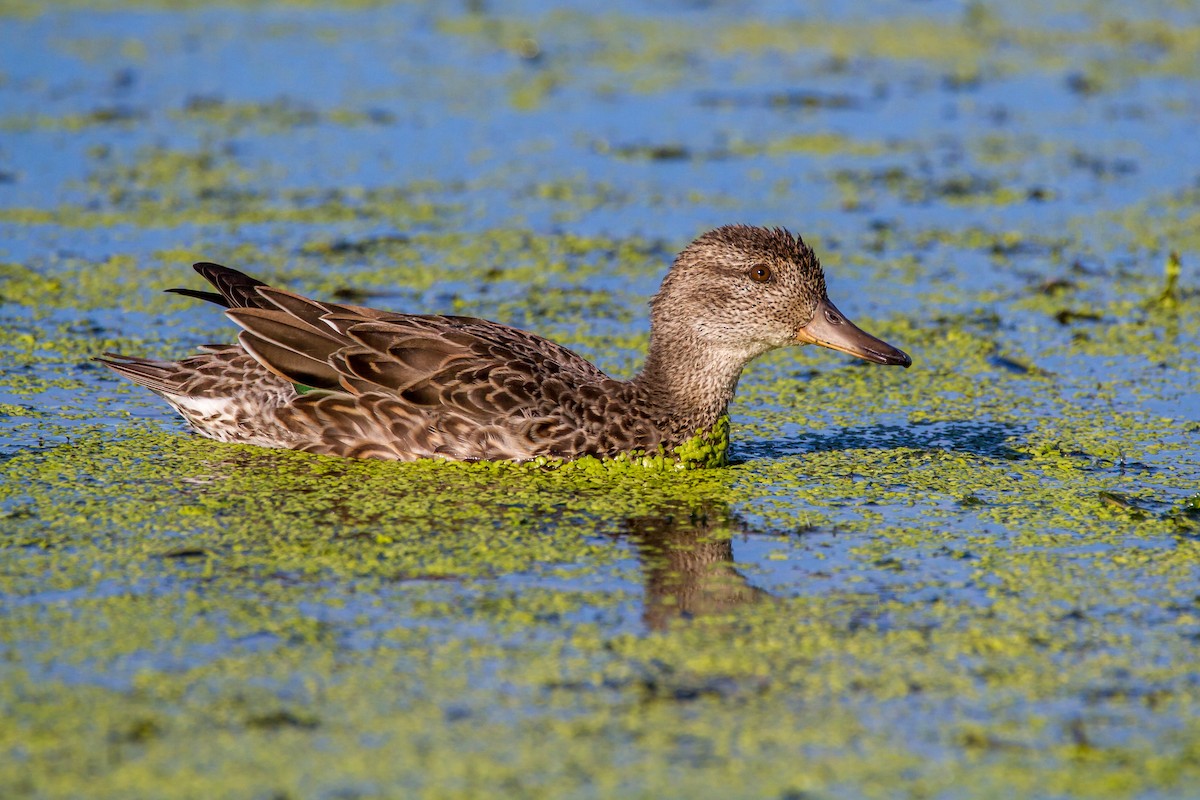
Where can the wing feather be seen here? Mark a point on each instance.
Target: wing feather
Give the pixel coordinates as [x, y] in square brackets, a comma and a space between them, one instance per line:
[463, 381]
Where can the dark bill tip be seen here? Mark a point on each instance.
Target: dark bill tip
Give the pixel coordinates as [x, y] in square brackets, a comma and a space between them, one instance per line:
[892, 357]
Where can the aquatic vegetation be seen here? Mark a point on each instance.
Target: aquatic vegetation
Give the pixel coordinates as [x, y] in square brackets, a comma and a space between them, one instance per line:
[974, 579]
[1170, 294]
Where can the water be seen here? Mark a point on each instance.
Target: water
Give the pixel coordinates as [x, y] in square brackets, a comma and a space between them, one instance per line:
[973, 578]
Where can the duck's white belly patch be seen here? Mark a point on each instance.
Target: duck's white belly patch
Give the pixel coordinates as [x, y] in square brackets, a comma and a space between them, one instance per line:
[232, 419]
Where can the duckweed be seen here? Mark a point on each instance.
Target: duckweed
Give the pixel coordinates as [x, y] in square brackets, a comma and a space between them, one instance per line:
[975, 578]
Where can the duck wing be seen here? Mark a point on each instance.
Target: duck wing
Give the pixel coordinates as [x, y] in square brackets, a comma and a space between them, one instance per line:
[459, 387]
[428, 360]
[379, 384]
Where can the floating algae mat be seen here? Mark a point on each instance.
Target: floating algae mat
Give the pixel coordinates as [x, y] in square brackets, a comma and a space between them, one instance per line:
[979, 577]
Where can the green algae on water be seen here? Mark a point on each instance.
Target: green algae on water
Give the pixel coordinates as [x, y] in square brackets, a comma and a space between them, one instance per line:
[707, 450]
[975, 578]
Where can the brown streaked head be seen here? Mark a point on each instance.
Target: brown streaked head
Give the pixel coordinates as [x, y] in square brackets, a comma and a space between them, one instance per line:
[744, 290]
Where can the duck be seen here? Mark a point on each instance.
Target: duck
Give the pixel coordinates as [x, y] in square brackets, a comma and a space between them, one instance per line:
[346, 380]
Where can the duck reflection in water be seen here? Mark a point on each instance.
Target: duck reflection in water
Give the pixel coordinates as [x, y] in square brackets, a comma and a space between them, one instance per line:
[686, 551]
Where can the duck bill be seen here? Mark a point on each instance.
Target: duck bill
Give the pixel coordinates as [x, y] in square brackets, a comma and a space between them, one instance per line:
[830, 328]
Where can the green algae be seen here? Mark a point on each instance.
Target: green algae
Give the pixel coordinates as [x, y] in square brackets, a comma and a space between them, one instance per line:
[634, 696]
[706, 450]
[168, 188]
[810, 143]
[1170, 296]
[28, 8]
[113, 115]
[978, 44]
[281, 531]
[973, 578]
[1032, 580]
[277, 115]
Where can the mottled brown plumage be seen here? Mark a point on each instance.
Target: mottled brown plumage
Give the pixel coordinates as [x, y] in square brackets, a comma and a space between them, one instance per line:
[352, 381]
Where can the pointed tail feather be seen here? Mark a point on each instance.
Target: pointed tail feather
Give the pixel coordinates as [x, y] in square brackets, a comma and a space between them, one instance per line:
[234, 289]
[209, 297]
[162, 377]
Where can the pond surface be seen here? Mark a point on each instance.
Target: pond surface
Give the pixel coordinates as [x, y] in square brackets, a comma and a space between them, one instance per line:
[979, 577]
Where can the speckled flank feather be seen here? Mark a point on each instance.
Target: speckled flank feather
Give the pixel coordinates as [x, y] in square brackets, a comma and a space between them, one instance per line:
[375, 384]
[224, 393]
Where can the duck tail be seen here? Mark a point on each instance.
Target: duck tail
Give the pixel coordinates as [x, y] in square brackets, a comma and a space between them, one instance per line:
[234, 289]
[160, 377]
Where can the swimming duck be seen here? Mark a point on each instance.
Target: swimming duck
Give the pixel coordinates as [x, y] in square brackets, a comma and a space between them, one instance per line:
[359, 382]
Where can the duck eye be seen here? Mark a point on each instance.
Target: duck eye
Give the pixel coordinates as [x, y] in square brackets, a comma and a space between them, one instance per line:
[760, 273]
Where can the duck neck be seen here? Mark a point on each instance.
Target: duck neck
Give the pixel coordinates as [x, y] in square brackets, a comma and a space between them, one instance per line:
[688, 382]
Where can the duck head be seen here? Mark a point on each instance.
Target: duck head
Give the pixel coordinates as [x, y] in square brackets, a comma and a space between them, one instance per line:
[742, 291]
